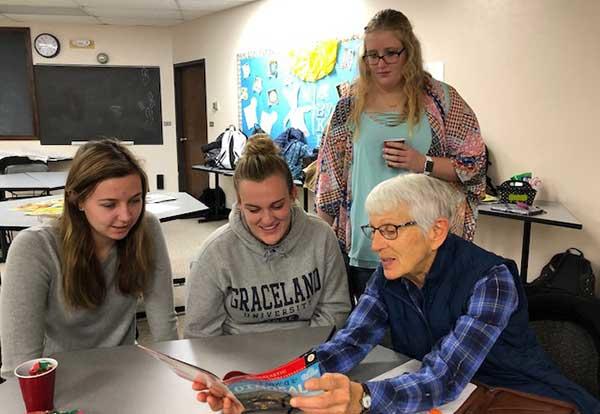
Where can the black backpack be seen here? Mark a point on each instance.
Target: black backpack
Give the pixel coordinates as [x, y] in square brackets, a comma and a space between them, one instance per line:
[214, 199]
[567, 272]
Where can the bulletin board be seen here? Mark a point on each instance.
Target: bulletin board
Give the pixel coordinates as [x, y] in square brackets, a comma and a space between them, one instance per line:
[296, 88]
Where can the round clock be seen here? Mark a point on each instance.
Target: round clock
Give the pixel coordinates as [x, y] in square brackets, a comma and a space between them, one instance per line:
[46, 45]
[102, 58]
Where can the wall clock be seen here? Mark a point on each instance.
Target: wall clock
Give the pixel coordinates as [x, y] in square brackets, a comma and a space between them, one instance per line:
[46, 45]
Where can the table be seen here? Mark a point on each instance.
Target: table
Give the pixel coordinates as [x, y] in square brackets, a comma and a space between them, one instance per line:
[126, 380]
[40, 181]
[222, 171]
[555, 214]
[10, 219]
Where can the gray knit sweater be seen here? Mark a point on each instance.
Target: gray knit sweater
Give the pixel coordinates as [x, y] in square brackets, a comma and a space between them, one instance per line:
[239, 285]
[35, 321]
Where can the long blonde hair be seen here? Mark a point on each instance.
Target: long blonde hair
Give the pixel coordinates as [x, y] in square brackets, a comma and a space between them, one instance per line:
[413, 73]
[83, 283]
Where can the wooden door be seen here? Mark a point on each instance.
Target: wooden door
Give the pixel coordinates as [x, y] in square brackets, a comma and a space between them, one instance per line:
[190, 101]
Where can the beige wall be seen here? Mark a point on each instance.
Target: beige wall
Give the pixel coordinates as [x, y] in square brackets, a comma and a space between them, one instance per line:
[136, 46]
[528, 69]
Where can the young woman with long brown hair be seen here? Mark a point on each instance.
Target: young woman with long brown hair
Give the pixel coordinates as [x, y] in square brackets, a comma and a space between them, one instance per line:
[74, 283]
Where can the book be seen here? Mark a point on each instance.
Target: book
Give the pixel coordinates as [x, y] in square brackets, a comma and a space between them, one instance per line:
[267, 391]
[517, 209]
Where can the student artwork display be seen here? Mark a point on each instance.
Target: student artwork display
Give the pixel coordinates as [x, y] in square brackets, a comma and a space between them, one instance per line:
[297, 88]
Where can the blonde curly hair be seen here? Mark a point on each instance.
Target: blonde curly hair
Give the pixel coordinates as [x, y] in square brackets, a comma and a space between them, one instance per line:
[413, 73]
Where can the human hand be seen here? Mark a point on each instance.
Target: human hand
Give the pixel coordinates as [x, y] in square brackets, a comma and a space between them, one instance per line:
[216, 399]
[340, 396]
[402, 155]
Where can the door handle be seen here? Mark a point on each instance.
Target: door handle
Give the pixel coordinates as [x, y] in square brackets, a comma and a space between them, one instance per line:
[183, 139]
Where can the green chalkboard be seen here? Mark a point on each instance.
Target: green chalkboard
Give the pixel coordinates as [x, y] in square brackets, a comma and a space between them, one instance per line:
[17, 113]
[80, 103]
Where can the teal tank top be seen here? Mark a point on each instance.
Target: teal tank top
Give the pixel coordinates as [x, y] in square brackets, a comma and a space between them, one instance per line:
[369, 169]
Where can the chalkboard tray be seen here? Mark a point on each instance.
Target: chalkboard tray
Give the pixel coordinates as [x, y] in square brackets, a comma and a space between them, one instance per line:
[81, 103]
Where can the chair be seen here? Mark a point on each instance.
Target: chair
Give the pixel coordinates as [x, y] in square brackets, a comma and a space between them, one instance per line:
[568, 329]
[21, 168]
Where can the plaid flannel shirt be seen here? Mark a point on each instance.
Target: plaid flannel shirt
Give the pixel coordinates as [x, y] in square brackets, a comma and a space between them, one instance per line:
[492, 303]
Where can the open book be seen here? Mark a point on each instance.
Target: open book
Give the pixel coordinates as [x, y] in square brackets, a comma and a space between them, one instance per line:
[269, 390]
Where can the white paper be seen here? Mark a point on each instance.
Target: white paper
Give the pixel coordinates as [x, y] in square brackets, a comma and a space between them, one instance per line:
[192, 373]
[152, 198]
[250, 113]
[413, 366]
[267, 119]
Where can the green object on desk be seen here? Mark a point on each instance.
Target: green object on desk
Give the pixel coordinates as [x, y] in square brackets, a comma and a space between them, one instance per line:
[513, 198]
[521, 177]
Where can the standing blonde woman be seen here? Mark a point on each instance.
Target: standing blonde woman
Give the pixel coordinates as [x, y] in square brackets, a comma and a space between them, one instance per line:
[394, 98]
[74, 284]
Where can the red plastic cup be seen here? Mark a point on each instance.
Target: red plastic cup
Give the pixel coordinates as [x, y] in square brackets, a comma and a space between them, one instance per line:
[37, 390]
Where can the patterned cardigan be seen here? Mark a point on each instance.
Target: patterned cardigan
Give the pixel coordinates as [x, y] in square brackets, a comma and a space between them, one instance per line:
[455, 135]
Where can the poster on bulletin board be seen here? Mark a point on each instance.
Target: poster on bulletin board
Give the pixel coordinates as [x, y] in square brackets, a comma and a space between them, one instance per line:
[297, 88]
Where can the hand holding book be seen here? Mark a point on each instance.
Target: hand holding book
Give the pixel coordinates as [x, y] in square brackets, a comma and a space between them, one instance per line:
[238, 391]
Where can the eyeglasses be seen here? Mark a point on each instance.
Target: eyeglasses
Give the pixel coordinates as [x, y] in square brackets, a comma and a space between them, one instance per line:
[388, 231]
[389, 57]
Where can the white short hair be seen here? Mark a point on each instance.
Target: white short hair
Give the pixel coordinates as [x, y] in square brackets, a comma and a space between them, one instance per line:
[426, 198]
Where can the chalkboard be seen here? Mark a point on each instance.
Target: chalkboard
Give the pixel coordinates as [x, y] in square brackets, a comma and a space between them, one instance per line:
[17, 116]
[80, 103]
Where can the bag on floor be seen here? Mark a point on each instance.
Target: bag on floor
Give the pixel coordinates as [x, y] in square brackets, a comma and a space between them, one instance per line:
[232, 147]
[568, 272]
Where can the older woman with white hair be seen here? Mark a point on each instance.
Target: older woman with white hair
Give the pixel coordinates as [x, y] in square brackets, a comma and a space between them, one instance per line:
[459, 309]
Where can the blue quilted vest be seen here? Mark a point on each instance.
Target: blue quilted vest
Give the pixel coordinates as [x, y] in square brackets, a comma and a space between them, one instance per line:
[515, 361]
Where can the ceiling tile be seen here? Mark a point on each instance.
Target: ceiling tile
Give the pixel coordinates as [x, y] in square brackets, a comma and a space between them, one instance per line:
[135, 13]
[53, 19]
[207, 4]
[58, 11]
[127, 21]
[5, 20]
[41, 3]
[194, 14]
[130, 4]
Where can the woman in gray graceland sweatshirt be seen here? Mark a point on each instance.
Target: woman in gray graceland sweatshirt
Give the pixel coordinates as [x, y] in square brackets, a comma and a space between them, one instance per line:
[74, 284]
[272, 266]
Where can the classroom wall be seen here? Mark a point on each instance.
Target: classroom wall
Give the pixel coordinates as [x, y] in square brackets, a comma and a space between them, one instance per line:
[135, 46]
[527, 68]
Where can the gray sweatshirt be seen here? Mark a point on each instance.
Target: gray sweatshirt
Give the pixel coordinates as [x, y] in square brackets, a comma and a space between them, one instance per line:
[33, 316]
[238, 284]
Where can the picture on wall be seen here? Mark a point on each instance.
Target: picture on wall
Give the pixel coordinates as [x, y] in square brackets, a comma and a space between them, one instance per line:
[298, 88]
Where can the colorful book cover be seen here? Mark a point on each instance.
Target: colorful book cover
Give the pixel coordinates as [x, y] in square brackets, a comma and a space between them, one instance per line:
[266, 391]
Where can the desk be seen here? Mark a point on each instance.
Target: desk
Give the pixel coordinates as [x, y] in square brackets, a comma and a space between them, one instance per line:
[126, 380]
[41, 181]
[221, 171]
[11, 219]
[555, 215]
